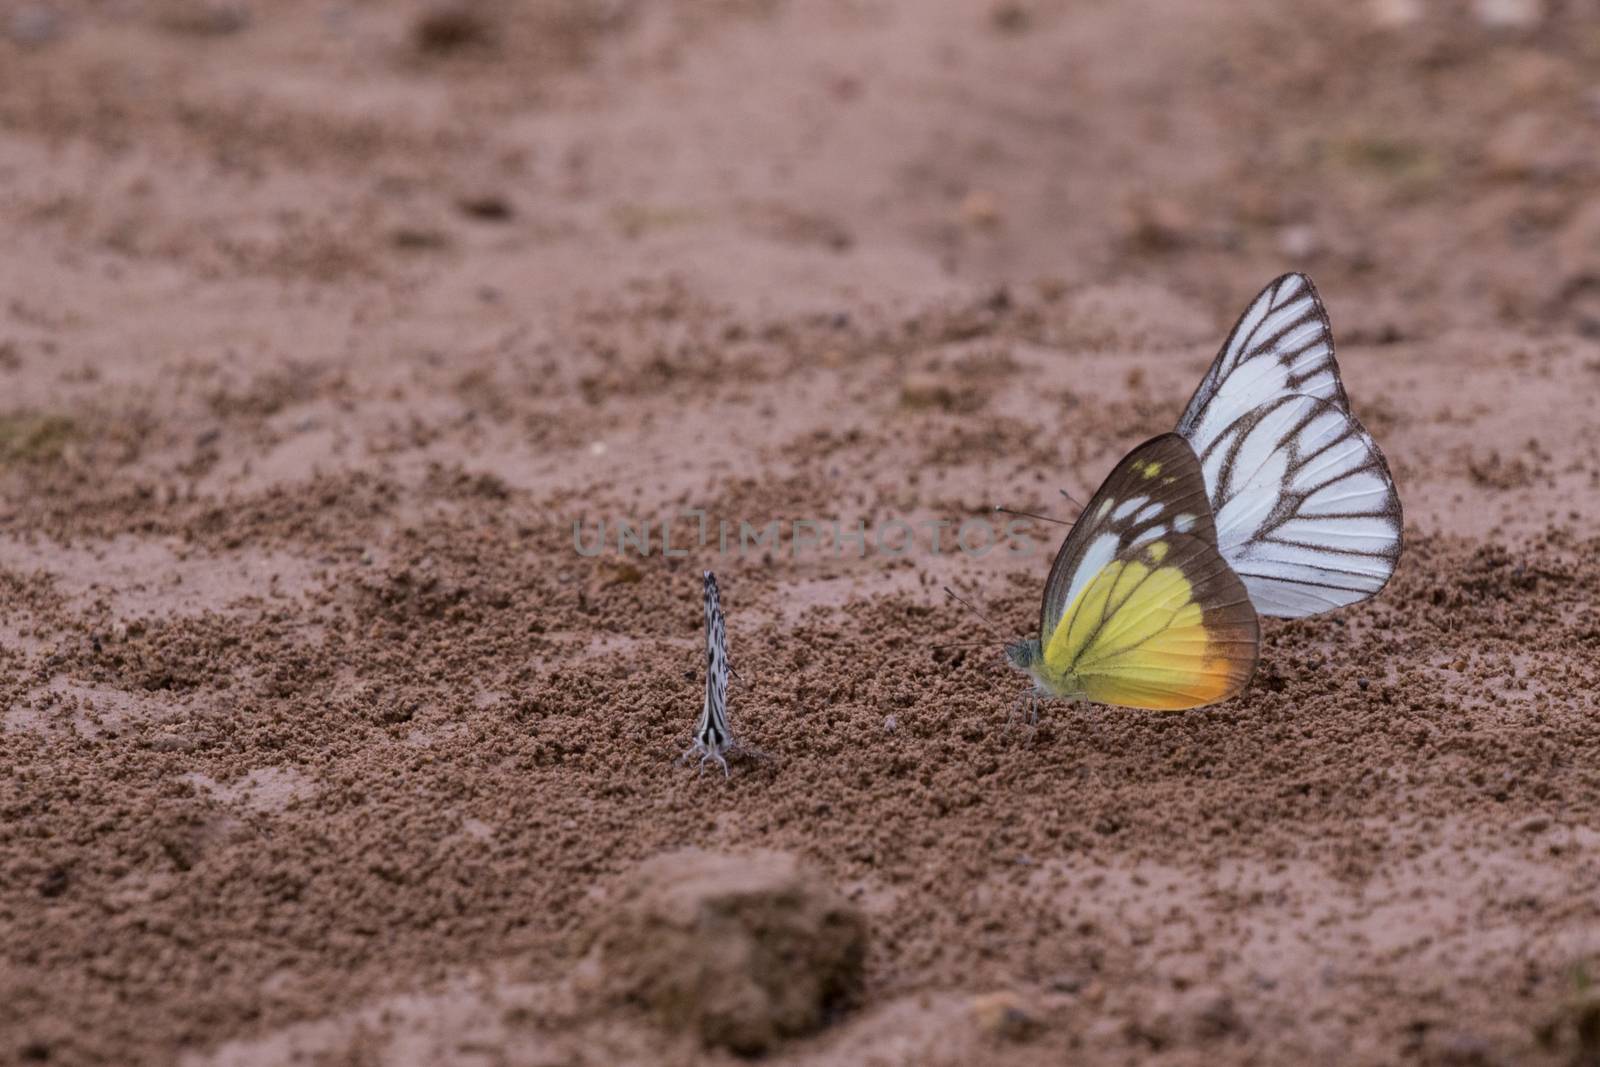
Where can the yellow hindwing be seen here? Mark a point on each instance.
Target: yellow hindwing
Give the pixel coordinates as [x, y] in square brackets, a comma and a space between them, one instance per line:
[1154, 629]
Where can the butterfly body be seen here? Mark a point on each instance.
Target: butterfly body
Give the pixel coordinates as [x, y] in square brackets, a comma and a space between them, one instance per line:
[1057, 680]
[1140, 609]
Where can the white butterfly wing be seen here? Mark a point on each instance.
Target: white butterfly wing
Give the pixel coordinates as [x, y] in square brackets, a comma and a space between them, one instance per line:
[1281, 344]
[712, 730]
[1306, 511]
[712, 741]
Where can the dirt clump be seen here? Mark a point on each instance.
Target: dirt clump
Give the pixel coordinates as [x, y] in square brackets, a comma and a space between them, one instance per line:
[743, 951]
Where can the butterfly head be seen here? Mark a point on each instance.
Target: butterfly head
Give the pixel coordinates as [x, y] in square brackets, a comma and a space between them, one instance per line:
[1028, 657]
[1025, 655]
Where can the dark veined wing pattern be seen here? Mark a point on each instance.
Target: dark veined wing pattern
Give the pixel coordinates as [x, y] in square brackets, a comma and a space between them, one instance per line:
[711, 736]
[1306, 510]
[1156, 489]
[1281, 344]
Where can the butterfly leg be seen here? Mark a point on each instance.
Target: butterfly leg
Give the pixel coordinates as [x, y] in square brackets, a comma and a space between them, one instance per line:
[1029, 700]
[713, 755]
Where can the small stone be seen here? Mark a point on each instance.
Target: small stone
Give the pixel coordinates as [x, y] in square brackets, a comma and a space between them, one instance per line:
[889, 724]
[923, 389]
[1195, 1016]
[1574, 1028]
[619, 572]
[418, 238]
[1005, 1016]
[743, 951]
[453, 27]
[55, 882]
[1157, 224]
[1212, 1014]
[1534, 824]
[167, 741]
[981, 209]
[489, 207]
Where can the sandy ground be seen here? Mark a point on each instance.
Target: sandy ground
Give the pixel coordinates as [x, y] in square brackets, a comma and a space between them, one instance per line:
[322, 323]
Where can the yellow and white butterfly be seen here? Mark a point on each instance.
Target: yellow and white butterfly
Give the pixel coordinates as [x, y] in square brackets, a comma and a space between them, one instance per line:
[1306, 511]
[1270, 498]
[1140, 609]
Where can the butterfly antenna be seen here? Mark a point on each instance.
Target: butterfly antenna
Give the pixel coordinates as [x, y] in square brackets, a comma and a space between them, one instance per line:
[1030, 515]
[968, 605]
[1072, 500]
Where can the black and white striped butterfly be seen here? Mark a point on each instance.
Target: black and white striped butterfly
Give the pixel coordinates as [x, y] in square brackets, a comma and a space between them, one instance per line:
[1305, 509]
[712, 740]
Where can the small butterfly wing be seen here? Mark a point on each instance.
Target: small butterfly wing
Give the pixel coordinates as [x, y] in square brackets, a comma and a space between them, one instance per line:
[1157, 489]
[1164, 625]
[1306, 512]
[712, 731]
[1282, 344]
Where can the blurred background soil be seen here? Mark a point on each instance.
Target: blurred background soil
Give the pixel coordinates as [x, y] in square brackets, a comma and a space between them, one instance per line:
[321, 323]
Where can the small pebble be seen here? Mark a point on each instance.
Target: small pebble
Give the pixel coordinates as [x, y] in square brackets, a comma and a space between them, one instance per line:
[1004, 1016]
[981, 209]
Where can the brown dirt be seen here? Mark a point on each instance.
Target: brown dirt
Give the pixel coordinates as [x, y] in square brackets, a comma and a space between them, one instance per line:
[321, 323]
[743, 950]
